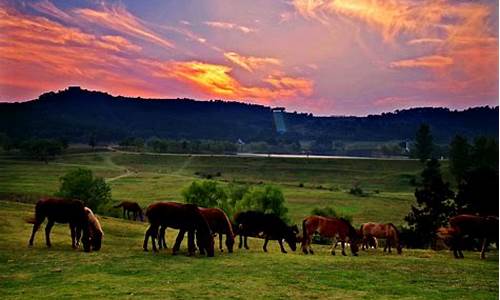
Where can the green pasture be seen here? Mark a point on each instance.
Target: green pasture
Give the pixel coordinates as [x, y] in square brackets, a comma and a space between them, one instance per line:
[122, 270]
[306, 183]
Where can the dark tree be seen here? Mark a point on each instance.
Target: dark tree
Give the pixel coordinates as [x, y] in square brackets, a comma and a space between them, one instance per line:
[423, 143]
[460, 157]
[41, 149]
[478, 192]
[434, 204]
[485, 153]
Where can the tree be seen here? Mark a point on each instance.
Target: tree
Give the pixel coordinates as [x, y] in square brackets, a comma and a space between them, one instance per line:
[423, 143]
[459, 157]
[41, 149]
[81, 184]
[268, 199]
[434, 204]
[206, 193]
[478, 192]
[485, 153]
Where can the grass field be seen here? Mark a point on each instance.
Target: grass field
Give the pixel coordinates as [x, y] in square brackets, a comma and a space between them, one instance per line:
[149, 178]
[123, 270]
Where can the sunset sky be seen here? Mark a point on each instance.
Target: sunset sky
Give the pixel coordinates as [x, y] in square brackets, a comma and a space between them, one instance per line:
[335, 57]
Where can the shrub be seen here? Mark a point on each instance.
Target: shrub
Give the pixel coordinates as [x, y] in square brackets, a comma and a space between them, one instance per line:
[268, 199]
[356, 190]
[81, 184]
[206, 193]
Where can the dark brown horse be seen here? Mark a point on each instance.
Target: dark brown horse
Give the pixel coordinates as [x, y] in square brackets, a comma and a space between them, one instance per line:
[483, 228]
[329, 228]
[64, 211]
[186, 217]
[219, 223]
[267, 226]
[131, 207]
[388, 231]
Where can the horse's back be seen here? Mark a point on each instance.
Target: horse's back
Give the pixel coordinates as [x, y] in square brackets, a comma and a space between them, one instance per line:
[217, 220]
[60, 210]
[475, 225]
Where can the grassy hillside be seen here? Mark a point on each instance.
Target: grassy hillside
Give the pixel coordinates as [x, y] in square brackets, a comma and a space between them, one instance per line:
[122, 270]
[306, 183]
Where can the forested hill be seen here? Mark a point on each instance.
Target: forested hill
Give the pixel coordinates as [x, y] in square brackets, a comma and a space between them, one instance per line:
[75, 113]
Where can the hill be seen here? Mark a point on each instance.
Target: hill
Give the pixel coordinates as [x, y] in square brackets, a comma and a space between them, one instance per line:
[74, 114]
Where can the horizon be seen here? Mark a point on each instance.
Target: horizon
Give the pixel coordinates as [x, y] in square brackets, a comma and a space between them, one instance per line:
[137, 98]
[335, 58]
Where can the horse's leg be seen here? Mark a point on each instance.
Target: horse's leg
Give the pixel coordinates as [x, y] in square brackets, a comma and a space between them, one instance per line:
[163, 235]
[178, 241]
[343, 247]
[220, 242]
[146, 238]
[265, 245]
[304, 243]
[281, 246]
[50, 223]
[191, 246]
[389, 242]
[309, 242]
[36, 226]
[333, 248]
[246, 242]
[72, 229]
[483, 248]
[241, 242]
[124, 212]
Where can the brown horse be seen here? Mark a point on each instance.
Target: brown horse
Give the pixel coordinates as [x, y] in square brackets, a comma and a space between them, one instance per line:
[330, 228]
[388, 231]
[180, 216]
[95, 230]
[219, 223]
[484, 228]
[128, 207]
[58, 210]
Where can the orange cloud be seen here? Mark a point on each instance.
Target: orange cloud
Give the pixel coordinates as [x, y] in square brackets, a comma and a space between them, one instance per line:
[120, 20]
[226, 25]
[251, 63]
[216, 80]
[434, 61]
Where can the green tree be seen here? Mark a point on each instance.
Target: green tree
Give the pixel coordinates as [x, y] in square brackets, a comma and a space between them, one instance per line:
[423, 143]
[41, 149]
[206, 193]
[81, 184]
[268, 199]
[460, 157]
[434, 204]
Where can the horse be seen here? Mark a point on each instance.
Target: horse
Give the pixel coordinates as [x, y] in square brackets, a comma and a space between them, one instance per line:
[267, 226]
[330, 228]
[388, 231]
[95, 229]
[484, 228]
[58, 210]
[185, 217]
[129, 206]
[217, 221]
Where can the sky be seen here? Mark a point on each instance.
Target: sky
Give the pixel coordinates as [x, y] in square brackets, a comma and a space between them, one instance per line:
[337, 57]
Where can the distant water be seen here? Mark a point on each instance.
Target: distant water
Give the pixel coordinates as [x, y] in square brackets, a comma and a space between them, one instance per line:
[319, 156]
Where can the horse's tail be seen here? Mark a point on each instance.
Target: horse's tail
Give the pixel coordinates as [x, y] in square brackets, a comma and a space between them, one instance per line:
[119, 205]
[33, 219]
[30, 220]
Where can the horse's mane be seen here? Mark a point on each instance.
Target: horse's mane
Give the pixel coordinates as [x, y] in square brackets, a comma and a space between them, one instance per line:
[93, 221]
[352, 231]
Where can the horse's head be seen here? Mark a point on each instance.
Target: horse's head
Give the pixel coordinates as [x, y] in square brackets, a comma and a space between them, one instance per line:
[291, 236]
[229, 243]
[95, 232]
[205, 242]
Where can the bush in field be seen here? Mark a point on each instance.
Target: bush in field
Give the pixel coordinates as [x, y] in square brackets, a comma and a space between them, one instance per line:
[327, 211]
[206, 194]
[81, 184]
[42, 149]
[268, 199]
[356, 190]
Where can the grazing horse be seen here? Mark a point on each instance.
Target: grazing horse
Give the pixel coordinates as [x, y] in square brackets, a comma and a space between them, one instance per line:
[388, 231]
[186, 217]
[95, 230]
[330, 228]
[268, 226]
[217, 221]
[484, 228]
[58, 210]
[128, 207]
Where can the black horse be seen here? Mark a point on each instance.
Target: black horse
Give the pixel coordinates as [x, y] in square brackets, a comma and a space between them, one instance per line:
[267, 226]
